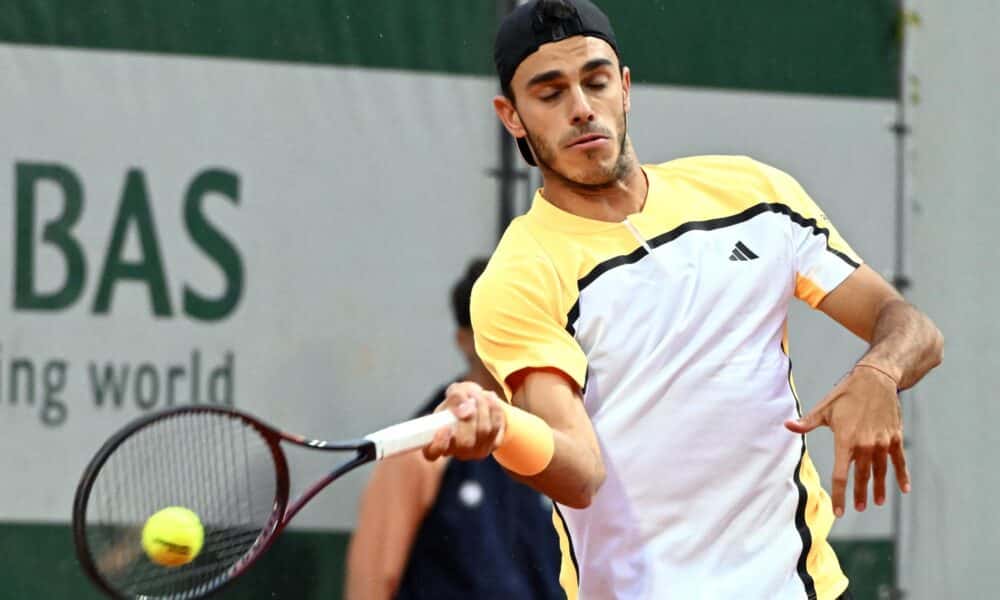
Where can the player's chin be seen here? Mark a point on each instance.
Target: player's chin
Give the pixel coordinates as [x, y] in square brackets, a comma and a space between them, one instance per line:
[590, 168]
[593, 172]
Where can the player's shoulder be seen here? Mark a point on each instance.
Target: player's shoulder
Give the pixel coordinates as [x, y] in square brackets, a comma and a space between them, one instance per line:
[518, 254]
[749, 177]
[518, 269]
[735, 177]
[517, 242]
[735, 169]
[513, 265]
[711, 162]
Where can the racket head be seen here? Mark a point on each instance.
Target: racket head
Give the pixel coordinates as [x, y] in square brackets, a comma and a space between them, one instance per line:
[222, 464]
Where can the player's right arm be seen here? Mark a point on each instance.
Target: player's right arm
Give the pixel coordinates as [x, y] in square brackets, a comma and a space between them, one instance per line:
[573, 470]
[519, 309]
[576, 471]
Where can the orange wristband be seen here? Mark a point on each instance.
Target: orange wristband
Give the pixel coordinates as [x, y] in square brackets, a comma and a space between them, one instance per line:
[528, 442]
[879, 369]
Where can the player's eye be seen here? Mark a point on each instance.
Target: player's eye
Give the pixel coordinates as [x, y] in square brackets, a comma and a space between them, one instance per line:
[598, 83]
[549, 95]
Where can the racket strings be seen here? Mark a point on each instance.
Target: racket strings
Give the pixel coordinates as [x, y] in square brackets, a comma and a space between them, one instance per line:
[213, 464]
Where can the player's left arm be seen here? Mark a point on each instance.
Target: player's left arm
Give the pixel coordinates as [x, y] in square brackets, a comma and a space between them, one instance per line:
[904, 341]
[863, 409]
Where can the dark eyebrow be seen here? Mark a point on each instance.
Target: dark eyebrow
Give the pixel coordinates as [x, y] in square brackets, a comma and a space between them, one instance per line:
[545, 77]
[597, 63]
[548, 76]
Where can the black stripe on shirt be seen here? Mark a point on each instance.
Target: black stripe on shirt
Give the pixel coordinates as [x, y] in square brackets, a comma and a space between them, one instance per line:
[805, 535]
[803, 528]
[569, 541]
[708, 225]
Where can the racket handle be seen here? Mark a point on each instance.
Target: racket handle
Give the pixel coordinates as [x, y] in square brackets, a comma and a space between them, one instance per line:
[409, 435]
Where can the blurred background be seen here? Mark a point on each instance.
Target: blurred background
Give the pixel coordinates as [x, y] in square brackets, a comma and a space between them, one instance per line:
[264, 203]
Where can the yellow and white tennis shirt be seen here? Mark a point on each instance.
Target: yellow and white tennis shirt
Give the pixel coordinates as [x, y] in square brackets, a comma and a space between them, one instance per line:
[673, 323]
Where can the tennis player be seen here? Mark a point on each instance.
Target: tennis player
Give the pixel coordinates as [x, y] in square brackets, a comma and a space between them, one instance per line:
[636, 317]
[425, 526]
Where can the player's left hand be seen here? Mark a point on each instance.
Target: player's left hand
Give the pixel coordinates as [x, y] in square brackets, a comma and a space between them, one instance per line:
[864, 414]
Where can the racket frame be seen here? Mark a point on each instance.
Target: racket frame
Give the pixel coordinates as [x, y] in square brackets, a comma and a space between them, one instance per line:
[281, 513]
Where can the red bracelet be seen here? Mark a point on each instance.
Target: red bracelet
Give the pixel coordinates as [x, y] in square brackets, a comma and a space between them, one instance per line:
[880, 370]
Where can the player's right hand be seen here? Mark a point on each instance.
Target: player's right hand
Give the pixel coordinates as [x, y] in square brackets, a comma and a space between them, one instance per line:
[480, 426]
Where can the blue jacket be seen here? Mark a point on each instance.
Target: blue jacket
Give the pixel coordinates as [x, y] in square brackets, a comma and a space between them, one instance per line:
[485, 537]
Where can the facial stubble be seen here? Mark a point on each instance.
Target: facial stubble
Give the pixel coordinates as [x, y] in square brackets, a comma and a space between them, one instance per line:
[624, 162]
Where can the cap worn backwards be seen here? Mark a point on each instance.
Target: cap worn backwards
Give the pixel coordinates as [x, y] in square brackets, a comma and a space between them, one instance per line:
[539, 22]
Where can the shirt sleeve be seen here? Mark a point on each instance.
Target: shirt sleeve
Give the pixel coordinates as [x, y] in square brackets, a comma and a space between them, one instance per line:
[519, 317]
[823, 259]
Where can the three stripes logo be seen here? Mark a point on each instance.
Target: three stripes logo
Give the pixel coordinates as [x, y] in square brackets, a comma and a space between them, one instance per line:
[741, 252]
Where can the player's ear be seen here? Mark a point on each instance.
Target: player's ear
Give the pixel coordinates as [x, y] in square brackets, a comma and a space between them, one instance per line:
[627, 88]
[507, 114]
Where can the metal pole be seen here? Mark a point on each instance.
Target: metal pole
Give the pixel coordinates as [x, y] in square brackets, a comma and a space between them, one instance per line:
[900, 276]
[901, 129]
[506, 173]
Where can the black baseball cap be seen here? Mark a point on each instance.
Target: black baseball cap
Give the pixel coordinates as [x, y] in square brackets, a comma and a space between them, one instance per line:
[539, 22]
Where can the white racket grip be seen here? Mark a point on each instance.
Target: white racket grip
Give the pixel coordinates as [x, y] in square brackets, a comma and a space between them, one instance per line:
[409, 435]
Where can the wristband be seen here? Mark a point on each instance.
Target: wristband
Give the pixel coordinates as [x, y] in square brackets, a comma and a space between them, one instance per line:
[528, 442]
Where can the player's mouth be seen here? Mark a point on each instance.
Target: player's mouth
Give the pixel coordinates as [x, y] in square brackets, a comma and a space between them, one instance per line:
[590, 141]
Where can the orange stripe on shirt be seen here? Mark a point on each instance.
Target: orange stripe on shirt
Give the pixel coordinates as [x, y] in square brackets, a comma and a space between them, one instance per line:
[807, 291]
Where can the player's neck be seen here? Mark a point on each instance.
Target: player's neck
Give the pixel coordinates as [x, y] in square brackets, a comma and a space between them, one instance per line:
[612, 202]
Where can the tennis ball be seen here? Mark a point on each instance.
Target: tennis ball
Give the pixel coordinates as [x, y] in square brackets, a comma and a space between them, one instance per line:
[173, 536]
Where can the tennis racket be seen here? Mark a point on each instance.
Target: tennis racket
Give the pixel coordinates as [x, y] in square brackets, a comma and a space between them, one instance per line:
[226, 466]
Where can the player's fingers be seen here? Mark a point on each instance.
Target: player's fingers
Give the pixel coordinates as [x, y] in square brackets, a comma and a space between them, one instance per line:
[464, 437]
[459, 388]
[484, 426]
[457, 393]
[838, 486]
[461, 397]
[439, 445]
[862, 473]
[806, 423]
[463, 409]
[810, 420]
[820, 414]
[879, 461]
[498, 420]
[898, 455]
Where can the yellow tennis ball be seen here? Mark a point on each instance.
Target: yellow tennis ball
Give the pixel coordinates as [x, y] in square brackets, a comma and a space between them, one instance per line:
[173, 536]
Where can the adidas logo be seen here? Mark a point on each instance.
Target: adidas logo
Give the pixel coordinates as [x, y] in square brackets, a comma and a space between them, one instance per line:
[741, 252]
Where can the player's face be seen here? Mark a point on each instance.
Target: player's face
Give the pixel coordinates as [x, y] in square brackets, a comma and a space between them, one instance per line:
[571, 99]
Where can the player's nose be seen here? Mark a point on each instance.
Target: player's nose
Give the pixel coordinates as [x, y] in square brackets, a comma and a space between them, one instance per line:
[580, 109]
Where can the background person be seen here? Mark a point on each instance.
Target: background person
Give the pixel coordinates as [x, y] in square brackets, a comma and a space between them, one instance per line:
[448, 528]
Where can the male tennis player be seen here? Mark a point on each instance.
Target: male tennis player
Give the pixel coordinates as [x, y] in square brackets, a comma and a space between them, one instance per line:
[636, 316]
[424, 527]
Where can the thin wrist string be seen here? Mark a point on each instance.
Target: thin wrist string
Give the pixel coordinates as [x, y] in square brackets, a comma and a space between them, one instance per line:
[880, 370]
